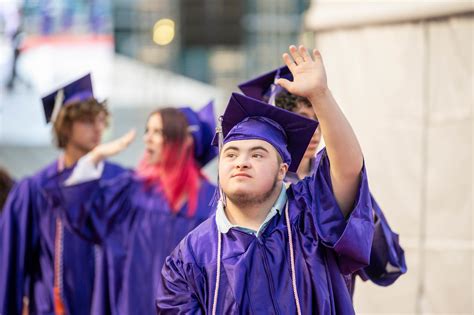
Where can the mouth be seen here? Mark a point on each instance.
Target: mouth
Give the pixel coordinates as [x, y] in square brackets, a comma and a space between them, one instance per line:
[241, 175]
[149, 151]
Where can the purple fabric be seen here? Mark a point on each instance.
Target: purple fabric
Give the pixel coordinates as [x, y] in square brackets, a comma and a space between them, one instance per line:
[78, 90]
[297, 129]
[27, 232]
[385, 246]
[255, 272]
[136, 230]
[264, 129]
[261, 87]
[203, 124]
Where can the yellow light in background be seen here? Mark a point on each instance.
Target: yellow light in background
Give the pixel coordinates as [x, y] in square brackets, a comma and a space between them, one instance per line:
[163, 32]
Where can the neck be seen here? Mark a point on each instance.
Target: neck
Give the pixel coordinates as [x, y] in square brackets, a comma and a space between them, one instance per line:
[72, 154]
[305, 168]
[251, 214]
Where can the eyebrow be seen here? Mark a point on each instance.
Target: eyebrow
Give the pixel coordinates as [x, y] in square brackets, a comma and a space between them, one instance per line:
[259, 148]
[231, 148]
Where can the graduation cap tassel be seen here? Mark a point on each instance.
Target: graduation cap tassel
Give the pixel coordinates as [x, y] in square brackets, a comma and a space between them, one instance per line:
[58, 102]
[274, 89]
[273, 93]
[221, 144]
[219, 193]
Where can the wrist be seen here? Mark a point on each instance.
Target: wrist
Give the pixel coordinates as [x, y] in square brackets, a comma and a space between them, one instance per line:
[320, 96]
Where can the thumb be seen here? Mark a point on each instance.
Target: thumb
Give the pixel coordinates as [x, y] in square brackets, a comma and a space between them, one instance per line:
[284, 83]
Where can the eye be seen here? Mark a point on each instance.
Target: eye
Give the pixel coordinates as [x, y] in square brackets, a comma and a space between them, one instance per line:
[230, 155]
[257, 155]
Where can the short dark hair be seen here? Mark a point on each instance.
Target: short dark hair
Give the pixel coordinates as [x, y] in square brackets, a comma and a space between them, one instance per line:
[86, 110]
[290, 102]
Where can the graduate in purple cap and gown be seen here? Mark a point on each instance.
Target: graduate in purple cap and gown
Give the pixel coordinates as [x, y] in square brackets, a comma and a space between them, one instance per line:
[271, 249]
[387, 261]
[147, 211]
[40, 260]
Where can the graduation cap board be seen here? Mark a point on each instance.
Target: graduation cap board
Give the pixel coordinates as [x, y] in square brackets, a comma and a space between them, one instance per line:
[248, 118]
[263, 87]
[78, 90]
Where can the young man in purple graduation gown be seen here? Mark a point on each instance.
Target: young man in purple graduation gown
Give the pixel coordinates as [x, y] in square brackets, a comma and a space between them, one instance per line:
[387, 261]
[146, 211]
[39, 258]
[271, 249]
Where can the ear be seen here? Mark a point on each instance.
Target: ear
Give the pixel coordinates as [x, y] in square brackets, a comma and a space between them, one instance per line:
[282, 171]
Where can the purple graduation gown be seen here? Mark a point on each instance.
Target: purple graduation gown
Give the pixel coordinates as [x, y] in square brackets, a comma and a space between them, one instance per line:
[27, 250]
[255, 273]
[386, 250]
[136, 231]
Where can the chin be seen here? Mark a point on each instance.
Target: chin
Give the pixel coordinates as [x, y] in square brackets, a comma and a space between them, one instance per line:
[150, 161]
[88, 148]
[238, 192]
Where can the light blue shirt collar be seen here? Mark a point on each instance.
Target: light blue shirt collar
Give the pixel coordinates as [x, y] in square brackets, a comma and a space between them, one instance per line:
[224, 225]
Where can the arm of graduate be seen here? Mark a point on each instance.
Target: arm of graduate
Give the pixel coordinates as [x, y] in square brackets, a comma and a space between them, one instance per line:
[176, 293]
[351, 238]
[338, 193]
[18, 238]
[387, 258]
[89, 204]
[343, 149]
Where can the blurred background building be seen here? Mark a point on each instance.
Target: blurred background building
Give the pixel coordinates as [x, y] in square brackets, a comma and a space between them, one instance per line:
[401, 70]
[403, 74]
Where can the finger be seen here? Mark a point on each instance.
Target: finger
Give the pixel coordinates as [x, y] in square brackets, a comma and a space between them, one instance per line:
[289, 62]
[317, 55]
[304, 53]
[284, 83]
[295, 54]
[126, 139]
[129, 137]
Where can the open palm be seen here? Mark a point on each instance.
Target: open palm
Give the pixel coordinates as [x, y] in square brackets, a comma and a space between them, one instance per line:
[309, 75]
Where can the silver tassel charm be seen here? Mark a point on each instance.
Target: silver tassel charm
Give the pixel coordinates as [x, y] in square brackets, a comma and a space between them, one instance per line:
[219, 193]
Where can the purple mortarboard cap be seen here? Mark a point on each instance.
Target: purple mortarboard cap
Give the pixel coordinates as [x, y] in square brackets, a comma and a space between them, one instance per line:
[79, 90]
[263, 87]
[202, 125]
[246, 118]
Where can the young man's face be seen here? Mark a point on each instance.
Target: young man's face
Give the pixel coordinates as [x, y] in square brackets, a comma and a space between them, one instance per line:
[86, 135]
[249, 171]
[153, 138]
[308, 112]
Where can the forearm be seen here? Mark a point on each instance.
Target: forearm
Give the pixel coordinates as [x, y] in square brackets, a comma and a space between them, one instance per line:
[343, 149]
[342, 145]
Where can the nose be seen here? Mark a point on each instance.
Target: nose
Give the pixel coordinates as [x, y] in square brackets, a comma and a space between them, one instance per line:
[242, 162]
